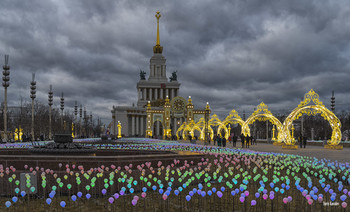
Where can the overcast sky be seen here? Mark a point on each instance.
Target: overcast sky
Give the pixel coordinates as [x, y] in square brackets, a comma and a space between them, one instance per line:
[231, 53]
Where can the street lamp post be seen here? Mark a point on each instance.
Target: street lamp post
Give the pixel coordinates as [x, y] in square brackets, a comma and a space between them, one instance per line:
[50, 111]
[76, 114]
[80, 114]
[32, 96]
[62, 108]
[5, 84]
[85, 122]
[207, 111]
[91, 125]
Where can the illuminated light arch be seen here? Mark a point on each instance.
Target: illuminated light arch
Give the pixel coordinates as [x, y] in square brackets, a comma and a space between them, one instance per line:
[188, 128]
[262, 113]
[232, 118]
[195, 127]
[318, 108]
[182, 127]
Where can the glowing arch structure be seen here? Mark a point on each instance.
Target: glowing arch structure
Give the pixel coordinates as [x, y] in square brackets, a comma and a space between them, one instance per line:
[232, 118]
[318, 108]
[262, 114]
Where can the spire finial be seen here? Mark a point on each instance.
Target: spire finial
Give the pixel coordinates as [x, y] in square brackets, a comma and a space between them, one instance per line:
[158, 48]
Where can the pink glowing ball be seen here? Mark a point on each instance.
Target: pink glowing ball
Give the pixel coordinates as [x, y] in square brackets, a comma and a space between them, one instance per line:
[31, 169]
[73, 166]
[344, 204]
[308, 197]
[102, 166]
[285, 200]
[26, 166]
[134, 202]
[320, 199]
[310, 201]
[246, 193]
[136, 197]
[165, 196]
[265, 196]
[143, 195]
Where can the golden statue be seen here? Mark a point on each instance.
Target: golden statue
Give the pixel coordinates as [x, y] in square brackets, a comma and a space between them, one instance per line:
[158, 49]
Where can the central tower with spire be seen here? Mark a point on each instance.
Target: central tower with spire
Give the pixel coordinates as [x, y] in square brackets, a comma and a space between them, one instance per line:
[157, 85]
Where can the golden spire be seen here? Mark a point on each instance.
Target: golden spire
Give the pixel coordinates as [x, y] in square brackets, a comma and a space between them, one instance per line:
[158, 48]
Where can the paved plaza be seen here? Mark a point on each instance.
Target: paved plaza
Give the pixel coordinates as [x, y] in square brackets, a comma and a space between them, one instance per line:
[310, 150]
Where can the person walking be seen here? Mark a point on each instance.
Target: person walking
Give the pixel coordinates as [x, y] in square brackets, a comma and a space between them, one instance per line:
[218, 140]
[300, 141]
[304, 141]
[242, 140]
[223, 141]
[234, 140]
[247, 141]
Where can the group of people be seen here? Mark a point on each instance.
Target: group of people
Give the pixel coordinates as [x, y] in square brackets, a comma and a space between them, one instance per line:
[245, 140]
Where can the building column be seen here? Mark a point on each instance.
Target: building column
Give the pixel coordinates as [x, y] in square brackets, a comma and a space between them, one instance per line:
[137, 125]
[144, 97]
[167, 93]
[141, 126]
[156, 93]
[132, 125]
[161, 93]
[139, 94]
[150, 94]
[172, 93]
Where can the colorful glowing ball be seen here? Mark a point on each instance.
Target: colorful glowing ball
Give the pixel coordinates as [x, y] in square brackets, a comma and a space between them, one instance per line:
[344, 204]
[14, 199]
[79, 194]
[63, 204]
[111, 200]
[188, 197]
[23, 193]
[253, 202]
[116, 196]
[219, 194]
[241, 199]
[74, 198]
[8, 204]
[48, 201]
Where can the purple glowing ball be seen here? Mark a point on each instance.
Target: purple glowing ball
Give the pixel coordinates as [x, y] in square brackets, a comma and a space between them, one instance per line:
[253, 202]
[219, 194]
[116, 196]
[241, 199]
[111, 200]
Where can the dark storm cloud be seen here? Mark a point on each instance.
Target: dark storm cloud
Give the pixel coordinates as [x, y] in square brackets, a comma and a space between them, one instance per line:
[233, 54]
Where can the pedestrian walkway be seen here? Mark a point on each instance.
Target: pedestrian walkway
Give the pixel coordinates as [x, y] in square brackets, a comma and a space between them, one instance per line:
[311, 151]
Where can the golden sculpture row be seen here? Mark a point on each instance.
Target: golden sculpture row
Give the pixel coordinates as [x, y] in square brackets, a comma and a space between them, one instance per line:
[285, 131]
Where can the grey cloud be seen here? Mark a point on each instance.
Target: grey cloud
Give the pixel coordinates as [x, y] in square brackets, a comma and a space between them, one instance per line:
[233, 54]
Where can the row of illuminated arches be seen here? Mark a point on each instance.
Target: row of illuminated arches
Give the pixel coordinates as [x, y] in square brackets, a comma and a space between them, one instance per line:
[284, 132]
